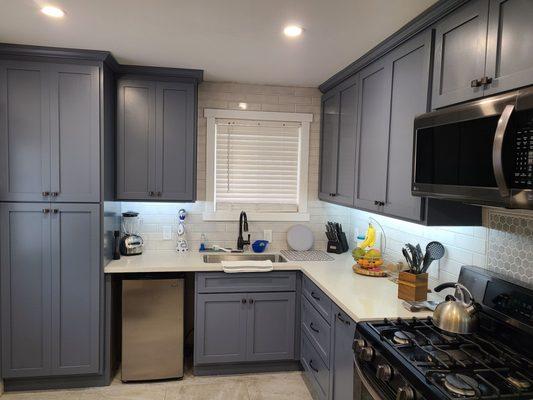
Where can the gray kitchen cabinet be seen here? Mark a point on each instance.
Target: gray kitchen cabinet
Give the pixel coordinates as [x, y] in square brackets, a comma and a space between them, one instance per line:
[50, 132]
[50, 274]
[510, 39]
[329, 145]
[175, 141]
[24, 131]
[373, 132]
[136, 140]
[75, 244]
[25, 263]
[339, 140]
[156, 140]
[270, 326]
[75, 133]
[220, 328]
[343, 368]
[410, 83]
[460, 46]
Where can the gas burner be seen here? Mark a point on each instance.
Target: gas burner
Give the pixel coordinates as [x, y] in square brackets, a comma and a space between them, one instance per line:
[518, 381]
[401, 337]
[461, 385]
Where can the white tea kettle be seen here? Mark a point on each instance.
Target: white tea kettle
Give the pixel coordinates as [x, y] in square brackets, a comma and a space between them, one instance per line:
[455, 314]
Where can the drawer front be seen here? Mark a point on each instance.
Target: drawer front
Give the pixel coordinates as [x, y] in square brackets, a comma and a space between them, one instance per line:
[317, 329]
[317, 298]
[220, 282]
[315, 369]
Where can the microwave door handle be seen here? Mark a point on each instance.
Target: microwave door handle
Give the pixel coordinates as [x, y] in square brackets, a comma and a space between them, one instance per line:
[497, 150]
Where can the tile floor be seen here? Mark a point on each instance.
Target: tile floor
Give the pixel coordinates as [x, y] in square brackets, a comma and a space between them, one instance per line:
[267, 386]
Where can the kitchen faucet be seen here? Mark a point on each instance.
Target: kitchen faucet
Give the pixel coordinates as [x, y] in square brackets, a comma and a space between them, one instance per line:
[243, 226]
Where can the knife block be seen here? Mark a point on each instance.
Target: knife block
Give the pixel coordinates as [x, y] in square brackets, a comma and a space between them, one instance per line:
[412, 287]
[340, 246]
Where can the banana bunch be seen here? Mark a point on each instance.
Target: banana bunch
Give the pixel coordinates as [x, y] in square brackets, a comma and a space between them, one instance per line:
[370, 238]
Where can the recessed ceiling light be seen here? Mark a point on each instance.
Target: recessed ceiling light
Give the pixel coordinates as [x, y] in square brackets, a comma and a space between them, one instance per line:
[292, 30]
[52, 11]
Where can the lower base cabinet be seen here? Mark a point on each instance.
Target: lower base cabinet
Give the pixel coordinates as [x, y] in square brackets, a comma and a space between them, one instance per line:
[50, 277]
[326, 346]
[244, 326]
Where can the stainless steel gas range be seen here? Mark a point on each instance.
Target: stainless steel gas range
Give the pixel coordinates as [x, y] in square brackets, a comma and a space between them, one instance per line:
[411, 359]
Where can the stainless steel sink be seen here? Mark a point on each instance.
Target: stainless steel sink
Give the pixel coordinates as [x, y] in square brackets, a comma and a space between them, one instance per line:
[217, 258]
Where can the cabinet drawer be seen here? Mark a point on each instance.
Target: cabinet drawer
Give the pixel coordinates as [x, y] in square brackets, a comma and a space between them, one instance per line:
[315, 369]
[317, 329]
[317, 298]
[220, 282]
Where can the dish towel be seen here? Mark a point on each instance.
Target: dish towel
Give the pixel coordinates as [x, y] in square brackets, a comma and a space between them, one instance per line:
[233, 267]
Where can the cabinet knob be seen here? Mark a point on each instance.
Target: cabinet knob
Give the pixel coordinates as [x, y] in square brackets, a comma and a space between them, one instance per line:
[55, 210]
[159, 194]
[243, 301]
[333, 194]
[475, 83]
[45, 194]
[251, 301]
[46, 210]
[150, 193]
[54, 194]
[486, 80]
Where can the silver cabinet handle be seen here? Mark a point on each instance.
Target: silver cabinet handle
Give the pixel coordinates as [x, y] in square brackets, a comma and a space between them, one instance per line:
[497, 149]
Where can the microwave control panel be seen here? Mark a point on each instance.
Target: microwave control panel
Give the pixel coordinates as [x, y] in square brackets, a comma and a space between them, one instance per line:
[523, 168]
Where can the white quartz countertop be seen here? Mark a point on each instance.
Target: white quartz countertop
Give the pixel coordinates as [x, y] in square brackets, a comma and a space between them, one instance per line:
[361, 297]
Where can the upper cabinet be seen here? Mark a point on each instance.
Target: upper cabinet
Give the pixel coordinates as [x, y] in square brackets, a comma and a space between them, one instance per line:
[481, 49]
[460, 45]
[338, 141]
[156, 140]
[49, 132]
[510, 39]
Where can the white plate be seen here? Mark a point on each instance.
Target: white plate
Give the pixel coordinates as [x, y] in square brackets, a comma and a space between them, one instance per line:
[300, 238]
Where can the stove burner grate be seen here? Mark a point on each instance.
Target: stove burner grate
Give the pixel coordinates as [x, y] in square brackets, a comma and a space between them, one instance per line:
[462, 385]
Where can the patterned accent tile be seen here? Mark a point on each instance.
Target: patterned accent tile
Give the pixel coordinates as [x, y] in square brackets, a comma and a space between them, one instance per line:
[510, 249]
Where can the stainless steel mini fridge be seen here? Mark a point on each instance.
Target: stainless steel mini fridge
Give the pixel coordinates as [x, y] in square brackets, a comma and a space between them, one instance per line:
[152, 329]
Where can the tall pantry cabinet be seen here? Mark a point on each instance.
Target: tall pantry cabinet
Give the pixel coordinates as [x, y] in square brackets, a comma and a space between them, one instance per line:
[55, 116]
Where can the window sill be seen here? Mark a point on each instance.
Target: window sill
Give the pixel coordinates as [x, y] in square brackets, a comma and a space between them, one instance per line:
[256, 216]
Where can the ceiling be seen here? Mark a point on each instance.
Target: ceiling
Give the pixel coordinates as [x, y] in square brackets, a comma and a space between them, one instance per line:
[232, 40]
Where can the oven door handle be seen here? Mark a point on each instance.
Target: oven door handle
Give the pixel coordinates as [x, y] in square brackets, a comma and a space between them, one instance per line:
[497, 150]
[366, 383]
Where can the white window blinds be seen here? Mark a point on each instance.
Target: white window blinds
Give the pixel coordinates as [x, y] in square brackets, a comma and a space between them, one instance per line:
[257, 162]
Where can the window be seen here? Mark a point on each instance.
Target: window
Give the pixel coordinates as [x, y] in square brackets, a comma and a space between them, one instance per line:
[257, 161]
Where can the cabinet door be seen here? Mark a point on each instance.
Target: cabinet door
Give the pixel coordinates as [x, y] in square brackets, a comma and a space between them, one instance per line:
[344, 193]
[136, 140]
[271, 323]
[374, 114]
[24, 131]
[75, 133]
[510, 39]
[343, 371]
[26, 289]
[220, 329]
[329, 145]
[76, 276]
[460, 45]
[410, 80]
[175, 141]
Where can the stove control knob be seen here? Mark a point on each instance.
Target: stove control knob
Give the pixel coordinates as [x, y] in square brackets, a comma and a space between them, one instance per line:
[367, 353]
[384, 372]
[358, 345]
[405, 393]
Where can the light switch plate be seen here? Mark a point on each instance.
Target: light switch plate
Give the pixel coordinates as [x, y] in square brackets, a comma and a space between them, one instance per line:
[167, 232]
[267, 235]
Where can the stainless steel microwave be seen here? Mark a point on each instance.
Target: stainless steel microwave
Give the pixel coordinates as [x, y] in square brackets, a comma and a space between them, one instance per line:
[479, 152]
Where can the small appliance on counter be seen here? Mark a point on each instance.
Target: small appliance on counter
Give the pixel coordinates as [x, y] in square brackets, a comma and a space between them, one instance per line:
[131, 243]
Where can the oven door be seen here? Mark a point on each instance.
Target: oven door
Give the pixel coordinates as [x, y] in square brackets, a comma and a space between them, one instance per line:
[468, 152]
[362, 387]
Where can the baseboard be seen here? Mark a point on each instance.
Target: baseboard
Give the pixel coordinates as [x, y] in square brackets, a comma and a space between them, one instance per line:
[45, 383]
[244, 368]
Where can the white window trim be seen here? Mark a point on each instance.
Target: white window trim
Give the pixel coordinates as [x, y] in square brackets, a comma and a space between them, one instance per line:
[210, 213]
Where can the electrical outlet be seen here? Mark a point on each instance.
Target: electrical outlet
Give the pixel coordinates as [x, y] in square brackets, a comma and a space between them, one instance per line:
[267, 235]
[167, 232]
